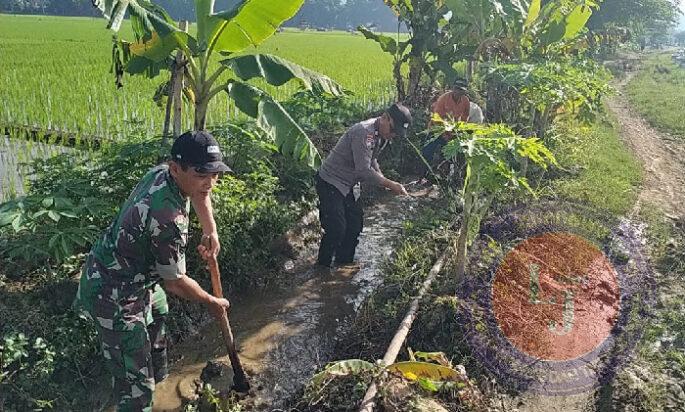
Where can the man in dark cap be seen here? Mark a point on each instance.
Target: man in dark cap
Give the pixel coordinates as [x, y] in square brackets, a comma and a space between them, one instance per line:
[354, 159]
[141, 251]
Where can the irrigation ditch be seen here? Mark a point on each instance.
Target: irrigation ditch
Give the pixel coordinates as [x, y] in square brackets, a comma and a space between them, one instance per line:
[15, 153]
[290, 331]
[287, 333]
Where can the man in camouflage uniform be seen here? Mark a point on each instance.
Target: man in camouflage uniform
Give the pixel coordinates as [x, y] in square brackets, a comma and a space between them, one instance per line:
[143, 247]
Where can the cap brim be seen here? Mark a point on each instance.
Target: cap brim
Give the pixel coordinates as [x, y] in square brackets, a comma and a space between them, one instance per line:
[213, 167]
[402, 132]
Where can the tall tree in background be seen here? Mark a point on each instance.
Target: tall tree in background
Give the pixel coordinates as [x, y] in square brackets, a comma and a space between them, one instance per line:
[642, 17]
[340, 14]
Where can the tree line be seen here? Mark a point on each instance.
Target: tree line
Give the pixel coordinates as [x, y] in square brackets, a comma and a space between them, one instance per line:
[640, 16]
[338, 14]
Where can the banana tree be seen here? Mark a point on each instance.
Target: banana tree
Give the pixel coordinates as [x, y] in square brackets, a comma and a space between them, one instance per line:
[517, 28]
[424, 19]
[220, 35]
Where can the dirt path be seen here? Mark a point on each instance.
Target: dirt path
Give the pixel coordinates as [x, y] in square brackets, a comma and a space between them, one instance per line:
[285, 335]
[662, 157]
[663, 160]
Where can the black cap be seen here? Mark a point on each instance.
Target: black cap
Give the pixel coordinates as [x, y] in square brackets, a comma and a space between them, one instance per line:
[401, 119]
[199, 150]
[461, 84]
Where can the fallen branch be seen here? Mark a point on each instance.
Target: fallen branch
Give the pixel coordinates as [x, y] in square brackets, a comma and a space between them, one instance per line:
[369, 402]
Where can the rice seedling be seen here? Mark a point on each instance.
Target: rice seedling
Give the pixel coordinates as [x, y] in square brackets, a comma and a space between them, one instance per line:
[55, 75]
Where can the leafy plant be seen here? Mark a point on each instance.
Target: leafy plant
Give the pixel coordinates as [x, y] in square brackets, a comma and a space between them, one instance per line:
[318, 112]
[225, 33]
[52, 223]
[518, 28]
[494, 158]
[70, 201]
[427, 375]
[530, 96]
[23, 361]
[212, 401]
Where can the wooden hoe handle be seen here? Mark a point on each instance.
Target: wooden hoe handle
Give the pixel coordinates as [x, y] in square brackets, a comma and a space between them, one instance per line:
[240, 382]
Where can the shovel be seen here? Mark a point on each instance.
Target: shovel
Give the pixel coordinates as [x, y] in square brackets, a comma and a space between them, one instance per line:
[240, 382]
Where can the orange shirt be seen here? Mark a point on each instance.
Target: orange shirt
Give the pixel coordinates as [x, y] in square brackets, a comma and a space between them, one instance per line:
[450, 106]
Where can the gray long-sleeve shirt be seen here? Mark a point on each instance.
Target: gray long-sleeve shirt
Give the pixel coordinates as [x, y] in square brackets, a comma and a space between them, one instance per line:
[353, 159]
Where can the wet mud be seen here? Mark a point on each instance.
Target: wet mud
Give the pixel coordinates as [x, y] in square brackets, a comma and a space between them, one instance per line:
[285, 334]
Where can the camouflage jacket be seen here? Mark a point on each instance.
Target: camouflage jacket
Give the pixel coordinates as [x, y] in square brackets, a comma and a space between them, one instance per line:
[144, 244]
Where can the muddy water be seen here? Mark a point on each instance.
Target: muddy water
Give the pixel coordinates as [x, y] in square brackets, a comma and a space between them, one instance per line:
[285, 335]
[13, 154]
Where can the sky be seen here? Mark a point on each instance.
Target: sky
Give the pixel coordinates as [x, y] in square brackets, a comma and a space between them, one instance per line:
[682, 18]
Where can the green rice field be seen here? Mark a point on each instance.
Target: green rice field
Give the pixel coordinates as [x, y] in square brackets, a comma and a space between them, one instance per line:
[55, 74]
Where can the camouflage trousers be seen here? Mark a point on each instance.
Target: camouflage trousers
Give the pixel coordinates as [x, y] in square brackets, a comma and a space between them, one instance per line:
[133, 338]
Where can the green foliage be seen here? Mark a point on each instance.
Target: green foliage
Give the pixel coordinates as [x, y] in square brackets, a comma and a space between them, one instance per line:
[596, 167]
[70, 202]
[495, 159]
[517, 29]
[47, 372]
[249, 216]
[249, 23]
[559, 21]
[318, 113]
[278, 71]
[342, 368]
[259, 202]
[211, 401]
[387, 43]
[637, 15]
[17, 355]
[531, 96]
[427, 376]
[493, 155]
[23, 363]
[38, 218]
[251, 208]
[423, 18]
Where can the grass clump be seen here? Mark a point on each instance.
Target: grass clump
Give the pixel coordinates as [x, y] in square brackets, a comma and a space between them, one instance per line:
[596, 168]
[658, 93]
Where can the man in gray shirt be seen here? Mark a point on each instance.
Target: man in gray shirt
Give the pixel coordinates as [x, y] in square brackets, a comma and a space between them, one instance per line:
[354, 159]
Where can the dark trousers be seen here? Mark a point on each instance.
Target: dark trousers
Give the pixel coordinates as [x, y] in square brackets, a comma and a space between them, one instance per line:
[429, 151]
[342, 219]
